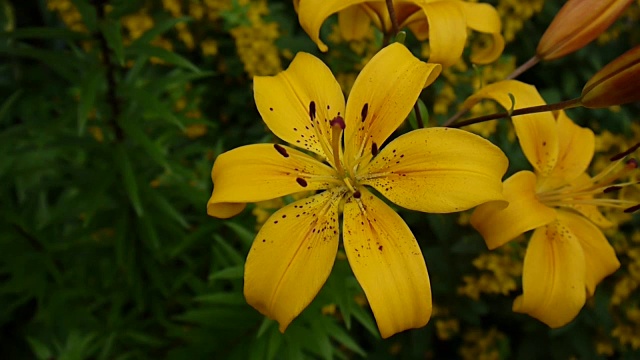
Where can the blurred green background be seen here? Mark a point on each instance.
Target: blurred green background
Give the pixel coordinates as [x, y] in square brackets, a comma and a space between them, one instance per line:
[111, 116]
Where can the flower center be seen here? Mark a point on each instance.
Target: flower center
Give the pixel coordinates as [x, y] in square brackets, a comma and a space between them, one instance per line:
[337, 128]
[590, 191]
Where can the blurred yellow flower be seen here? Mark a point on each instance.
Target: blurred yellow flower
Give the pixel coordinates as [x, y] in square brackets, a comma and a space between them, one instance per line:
[443, 22]
[567, 253]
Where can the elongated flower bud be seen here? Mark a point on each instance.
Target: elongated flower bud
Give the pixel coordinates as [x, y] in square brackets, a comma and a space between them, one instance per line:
[616, 84]
[578, 23]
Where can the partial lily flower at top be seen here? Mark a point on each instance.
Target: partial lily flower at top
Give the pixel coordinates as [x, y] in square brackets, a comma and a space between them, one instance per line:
[437, 170]
[578, 23]
[443, 22]
[568, 255]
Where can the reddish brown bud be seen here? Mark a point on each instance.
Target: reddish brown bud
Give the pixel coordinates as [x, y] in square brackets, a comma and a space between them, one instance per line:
[578, 23]
[616, 84]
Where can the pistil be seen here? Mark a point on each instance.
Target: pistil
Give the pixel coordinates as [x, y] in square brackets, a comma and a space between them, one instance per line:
[337, 126]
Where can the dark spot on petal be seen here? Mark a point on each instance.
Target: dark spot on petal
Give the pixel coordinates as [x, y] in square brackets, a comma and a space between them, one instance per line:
[380, 247]
[302, 182]
[312, 110]
[284, 216]
[270, 109]
[374, 149]
[365, 110]
[275, 222]
[281, 150]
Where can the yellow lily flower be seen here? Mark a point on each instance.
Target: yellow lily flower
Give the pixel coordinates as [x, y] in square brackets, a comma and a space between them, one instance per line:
[433, 170]
[568, 255]
[443, 22]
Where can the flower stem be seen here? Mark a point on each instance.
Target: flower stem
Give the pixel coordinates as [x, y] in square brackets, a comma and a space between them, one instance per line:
[524, 67]
[392, 16]
[416, 107]
[529, 110]
[517, 72]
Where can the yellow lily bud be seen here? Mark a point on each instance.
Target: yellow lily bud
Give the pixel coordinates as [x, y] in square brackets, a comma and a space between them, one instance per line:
[578, 23]
[616, 84]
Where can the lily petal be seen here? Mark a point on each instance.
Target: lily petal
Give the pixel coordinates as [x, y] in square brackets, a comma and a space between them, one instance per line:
[553, 281]
[537, 133]
[484, 18]
[261, 172]
[354, 23]
[437, 170]
[498, 224]
[381, 98]
[447, 31]
[600, 257]
[387, 261]
[298, 103]
[313, 13]
[292, 256]
[575, 151]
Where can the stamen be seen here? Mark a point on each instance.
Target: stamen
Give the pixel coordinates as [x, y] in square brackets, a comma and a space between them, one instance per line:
[312, 110]
[611, 189]
[374, 149]
[632, 209]
[337, 126]
[364, 112]
[626, 152]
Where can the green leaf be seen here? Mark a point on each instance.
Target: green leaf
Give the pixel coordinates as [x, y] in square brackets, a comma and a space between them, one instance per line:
[39, 348]
[59, 61]
[165, 206]
[246, 236]
[341, 336]
[8, 102]
[128, 179]
[112, 32]
[266, 324]
[222, 299]
[230, 273]
[232, 254]
[43, 33]
[162, 54]
[159, 28]
[88, 92]
[132, 129]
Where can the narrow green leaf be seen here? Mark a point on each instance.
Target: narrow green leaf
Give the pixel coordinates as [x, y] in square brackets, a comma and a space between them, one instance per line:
[112, 32]
[230, 273]
[149, 233]
[365, 319]
[8, 102]
[43, 33]
[88, 92]
[39, 348]
[165, 206]
[152, 107]
[129, 179]
[266, 324]
[341, 336]
[222, 299]
[133, 130]
[60, 62]
[246, 236]
[232, 254]
[274, 343]
[162, 54]
[158, 29]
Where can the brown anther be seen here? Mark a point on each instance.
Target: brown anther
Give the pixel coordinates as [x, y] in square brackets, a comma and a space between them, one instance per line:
[631, 164]
[357, 194]
[302, 182]
[374, 149]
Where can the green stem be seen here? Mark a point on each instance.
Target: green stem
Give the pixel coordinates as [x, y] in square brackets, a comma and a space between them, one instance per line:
[530, 110]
